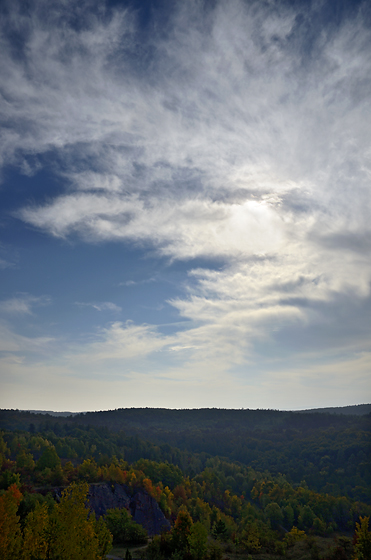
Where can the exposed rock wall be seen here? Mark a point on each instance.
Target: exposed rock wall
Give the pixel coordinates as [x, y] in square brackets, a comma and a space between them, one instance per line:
[143, 508]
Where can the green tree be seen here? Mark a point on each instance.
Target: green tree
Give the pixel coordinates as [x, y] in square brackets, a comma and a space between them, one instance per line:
[219, 529]
[197, 540]
[123, 528]
[306, 517]
[25, 460]
[274, 514]
[49, 459]
[289, 516]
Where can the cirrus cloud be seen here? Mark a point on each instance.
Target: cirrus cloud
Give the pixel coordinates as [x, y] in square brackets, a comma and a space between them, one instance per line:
[236, 134]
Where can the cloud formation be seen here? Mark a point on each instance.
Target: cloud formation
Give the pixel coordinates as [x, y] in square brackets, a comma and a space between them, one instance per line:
[237, 133]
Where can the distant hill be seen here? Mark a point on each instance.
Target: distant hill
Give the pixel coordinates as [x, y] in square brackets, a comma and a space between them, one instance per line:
[52, 413]
[164, 425]
[354, 410]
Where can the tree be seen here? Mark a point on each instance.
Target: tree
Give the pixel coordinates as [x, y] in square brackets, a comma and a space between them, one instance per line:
[362, 540]
[289, 516]
[74, 535]
[49, 459]
[250, 539]
[10, 532]
[104, 538]
[274, 514]
[25, 460]
[181, 530]
[123, 528]
[35, 544]
[219, 529]
[197, 540]
[293, 536]
[88, 470]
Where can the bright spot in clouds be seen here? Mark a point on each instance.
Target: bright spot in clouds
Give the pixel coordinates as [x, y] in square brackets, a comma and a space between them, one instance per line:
[200, 176]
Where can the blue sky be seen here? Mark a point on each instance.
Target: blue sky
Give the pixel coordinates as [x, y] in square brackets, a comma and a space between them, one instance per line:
[185, 207]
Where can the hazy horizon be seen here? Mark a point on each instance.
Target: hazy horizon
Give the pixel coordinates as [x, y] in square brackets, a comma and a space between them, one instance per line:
[74, 412]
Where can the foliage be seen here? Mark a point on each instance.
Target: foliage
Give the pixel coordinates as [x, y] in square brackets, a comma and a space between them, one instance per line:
[294, 536]
[48, 460]
[10, 534]
[197, 540]
[123, 528]
[66, 532]
[182, 530]
[36, 536]
[82, 542]
[236, 506]
[362, 540]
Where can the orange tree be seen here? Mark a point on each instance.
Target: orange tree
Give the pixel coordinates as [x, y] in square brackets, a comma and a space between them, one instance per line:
[10, 533]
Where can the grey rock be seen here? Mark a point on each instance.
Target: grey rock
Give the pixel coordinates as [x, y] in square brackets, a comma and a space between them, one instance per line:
[143, 508]
[107, 496]
[145, 511]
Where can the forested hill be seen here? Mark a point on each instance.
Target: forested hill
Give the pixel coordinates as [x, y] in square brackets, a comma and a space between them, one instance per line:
[260, 481]
[355, 410]
[160, 420]
[330, 452]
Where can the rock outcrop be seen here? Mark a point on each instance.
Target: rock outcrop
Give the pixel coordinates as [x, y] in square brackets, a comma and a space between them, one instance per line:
[143, 508]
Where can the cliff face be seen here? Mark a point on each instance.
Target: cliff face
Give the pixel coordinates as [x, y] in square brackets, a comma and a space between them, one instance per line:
[107, 496]
[143, 508]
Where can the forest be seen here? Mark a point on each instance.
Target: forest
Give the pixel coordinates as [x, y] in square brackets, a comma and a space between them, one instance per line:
[230, 483]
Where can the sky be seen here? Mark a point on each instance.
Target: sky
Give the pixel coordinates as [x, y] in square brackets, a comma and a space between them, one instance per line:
[185, 206]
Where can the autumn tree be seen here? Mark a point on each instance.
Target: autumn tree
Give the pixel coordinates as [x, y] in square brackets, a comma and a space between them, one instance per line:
[74, 535]
[362, 540]
[181, 530]
[10, 532]
[36, 536]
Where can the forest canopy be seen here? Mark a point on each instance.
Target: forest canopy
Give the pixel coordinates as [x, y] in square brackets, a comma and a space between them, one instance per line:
[266, 484]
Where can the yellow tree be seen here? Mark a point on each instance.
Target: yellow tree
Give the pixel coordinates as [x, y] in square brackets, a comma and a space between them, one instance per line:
[74, 535]
[362, 537]
[10, 532]
[35, 539]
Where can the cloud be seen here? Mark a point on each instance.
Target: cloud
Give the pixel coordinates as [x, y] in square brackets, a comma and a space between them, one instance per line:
[11, 341]
[118, 344]
[8, 258]
[102, 306]
[138, 282]
[238, 134]
[5, 264]
[22, 304]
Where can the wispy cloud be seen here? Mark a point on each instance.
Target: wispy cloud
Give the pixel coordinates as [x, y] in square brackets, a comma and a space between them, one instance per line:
[138, 282]
[11, 341]
[239, 133]
[101, 306]
[22, 304]
[119, 343]
[5, 264]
